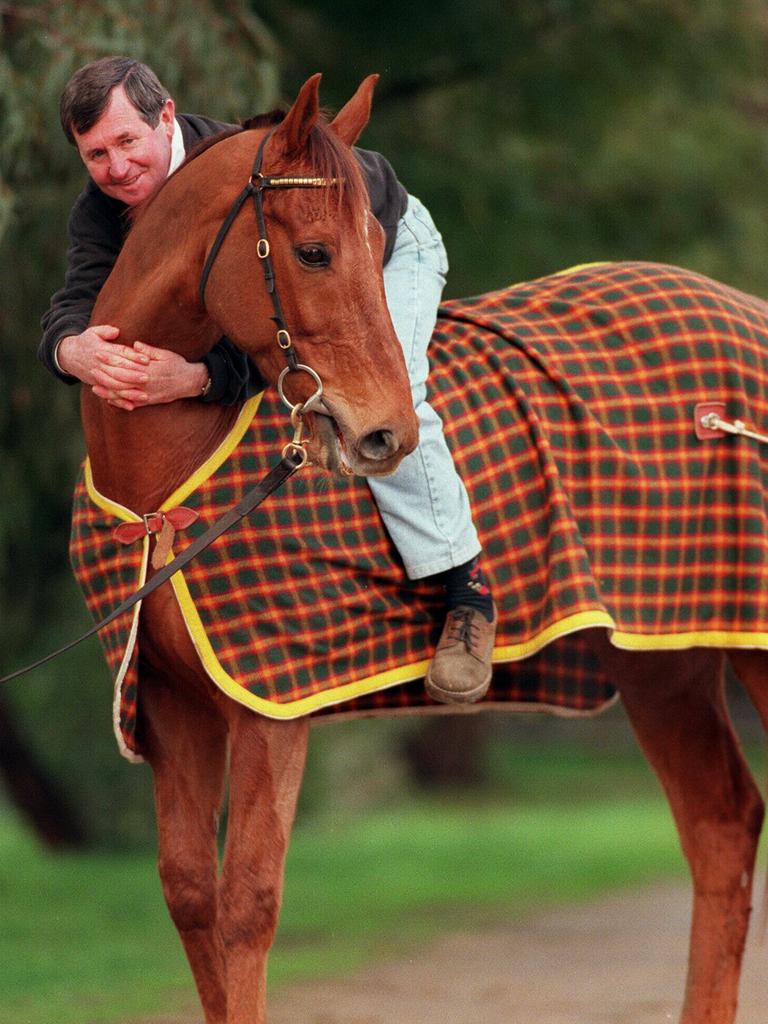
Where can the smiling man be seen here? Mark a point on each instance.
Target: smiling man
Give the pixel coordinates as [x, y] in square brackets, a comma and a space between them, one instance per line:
[124, 156]
[124, 125]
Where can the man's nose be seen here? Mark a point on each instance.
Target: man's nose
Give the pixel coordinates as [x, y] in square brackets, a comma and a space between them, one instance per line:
[119, 166]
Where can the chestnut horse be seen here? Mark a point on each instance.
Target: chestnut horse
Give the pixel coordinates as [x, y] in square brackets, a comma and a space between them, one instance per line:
[364, 422]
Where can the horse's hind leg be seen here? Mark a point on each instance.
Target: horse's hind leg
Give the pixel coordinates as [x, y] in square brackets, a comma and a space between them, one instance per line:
[676, 704]
[185, 742]
[752, 669]
[266, 767]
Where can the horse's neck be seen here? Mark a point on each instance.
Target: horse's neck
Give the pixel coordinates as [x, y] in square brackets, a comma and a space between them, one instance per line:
[139, 458]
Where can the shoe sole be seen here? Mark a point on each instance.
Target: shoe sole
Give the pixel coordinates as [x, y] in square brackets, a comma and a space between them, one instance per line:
[460, 696]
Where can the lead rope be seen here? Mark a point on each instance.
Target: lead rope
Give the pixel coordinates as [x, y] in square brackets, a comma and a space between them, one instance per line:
[294, 454]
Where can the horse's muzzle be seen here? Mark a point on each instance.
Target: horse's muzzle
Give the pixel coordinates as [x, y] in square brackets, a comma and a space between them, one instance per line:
[375, 452]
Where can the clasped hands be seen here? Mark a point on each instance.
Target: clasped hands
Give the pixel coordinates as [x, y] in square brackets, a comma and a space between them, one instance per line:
[129, 376]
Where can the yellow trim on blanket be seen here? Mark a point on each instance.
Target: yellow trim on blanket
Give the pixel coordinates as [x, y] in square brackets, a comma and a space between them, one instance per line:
[201, 474]
[106, 504]
[563, 273]
[684, 641]
[417, 670]
[271, 709]
[579, 266]
[219, 457]
[570, 624]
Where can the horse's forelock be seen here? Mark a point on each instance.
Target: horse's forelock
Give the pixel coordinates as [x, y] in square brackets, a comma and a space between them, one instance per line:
[331, 158]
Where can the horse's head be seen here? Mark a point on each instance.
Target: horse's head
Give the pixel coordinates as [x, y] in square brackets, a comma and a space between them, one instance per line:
[326, 250]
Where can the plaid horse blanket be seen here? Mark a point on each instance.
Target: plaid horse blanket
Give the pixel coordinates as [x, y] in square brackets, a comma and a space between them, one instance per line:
[570, 404]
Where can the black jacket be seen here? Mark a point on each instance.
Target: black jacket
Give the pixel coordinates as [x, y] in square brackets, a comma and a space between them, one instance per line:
[97, 230]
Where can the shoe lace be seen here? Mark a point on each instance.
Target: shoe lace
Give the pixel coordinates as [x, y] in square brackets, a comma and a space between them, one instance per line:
[462, 627]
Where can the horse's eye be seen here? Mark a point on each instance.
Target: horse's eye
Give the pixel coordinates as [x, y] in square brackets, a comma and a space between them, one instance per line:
[313, 255]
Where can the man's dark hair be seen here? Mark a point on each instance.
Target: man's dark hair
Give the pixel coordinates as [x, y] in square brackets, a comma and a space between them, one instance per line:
[87, 93]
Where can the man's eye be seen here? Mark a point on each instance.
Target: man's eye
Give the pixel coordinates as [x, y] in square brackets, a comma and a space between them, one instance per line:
[313, 255]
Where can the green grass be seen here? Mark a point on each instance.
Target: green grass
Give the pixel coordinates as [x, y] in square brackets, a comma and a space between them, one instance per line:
[86, 939]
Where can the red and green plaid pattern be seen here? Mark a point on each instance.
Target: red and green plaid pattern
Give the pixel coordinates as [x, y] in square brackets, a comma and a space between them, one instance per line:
[568, 403]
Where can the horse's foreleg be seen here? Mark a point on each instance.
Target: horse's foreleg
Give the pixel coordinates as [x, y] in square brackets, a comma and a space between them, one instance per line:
[266, 767]
[676, 705]
[186, 745]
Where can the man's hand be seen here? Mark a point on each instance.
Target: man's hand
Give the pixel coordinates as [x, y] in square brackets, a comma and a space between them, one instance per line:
[128, 376]
[117, 373]
[169, 375]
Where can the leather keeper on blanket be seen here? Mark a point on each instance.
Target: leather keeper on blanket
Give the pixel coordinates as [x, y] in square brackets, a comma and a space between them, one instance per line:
[163, 523]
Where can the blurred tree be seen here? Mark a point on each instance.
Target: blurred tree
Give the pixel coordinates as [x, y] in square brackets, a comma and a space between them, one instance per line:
[216, 58]
[544, 133]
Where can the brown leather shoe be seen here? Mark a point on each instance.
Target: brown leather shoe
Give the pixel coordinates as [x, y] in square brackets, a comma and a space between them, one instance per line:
[461, 670]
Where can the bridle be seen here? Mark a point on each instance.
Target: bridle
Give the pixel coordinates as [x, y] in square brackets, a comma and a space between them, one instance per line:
[294, 454]
[254, 189]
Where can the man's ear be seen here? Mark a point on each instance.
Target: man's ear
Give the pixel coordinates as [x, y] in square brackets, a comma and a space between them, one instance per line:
[168, 114]
[292, 132]
[354, 115]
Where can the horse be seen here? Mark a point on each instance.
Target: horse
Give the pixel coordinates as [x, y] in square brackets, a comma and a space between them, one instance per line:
[361, 421]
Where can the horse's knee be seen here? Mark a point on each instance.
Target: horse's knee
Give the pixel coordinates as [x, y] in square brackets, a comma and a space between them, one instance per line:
[190, 893]
[248, 912]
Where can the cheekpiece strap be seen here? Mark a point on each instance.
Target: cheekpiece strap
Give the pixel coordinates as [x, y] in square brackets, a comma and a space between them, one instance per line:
[257, 183]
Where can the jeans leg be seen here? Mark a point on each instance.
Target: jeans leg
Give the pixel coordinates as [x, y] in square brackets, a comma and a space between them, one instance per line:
[424, 503]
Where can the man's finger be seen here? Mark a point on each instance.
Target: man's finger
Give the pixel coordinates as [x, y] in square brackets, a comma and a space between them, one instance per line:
[114, 355]
[106, 331]
[119, 374]
[113, 398]
[124, 371]
[113, 393]
[148, 351]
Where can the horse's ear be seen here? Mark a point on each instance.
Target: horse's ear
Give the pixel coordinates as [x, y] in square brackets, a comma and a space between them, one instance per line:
[353, 116]
[294, 129]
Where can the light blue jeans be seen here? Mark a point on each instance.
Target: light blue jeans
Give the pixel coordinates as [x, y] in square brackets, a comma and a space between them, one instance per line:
[424, 503]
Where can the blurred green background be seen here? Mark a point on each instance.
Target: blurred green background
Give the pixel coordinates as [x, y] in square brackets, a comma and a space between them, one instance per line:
[541, 134]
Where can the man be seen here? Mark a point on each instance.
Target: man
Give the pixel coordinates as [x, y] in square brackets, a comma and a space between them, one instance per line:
[125, 128]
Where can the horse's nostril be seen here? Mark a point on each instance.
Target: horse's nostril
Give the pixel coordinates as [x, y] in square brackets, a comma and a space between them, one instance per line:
[378, 445]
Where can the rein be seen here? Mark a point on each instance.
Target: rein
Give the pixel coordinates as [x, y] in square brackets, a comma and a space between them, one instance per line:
[294, 454]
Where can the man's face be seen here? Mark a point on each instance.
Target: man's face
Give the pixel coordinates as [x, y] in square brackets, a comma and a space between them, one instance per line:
[126, 158]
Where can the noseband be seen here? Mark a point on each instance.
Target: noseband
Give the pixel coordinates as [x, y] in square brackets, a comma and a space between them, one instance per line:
[257, 184]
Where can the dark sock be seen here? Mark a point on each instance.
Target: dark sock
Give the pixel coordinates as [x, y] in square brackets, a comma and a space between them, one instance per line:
[467, 585]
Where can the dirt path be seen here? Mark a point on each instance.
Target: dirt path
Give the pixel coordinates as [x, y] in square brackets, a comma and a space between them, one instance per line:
[618, 961]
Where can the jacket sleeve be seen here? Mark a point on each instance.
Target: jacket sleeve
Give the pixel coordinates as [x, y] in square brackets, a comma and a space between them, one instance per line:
[93, 249]
[234, 377]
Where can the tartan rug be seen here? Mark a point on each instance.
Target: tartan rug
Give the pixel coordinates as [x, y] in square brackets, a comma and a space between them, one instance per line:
[569, 405]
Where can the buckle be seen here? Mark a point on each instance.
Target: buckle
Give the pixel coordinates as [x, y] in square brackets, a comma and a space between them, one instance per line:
[151, 523]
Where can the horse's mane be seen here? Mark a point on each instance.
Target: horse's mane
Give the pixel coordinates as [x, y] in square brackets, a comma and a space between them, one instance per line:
[328, 156]
[268, 120]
